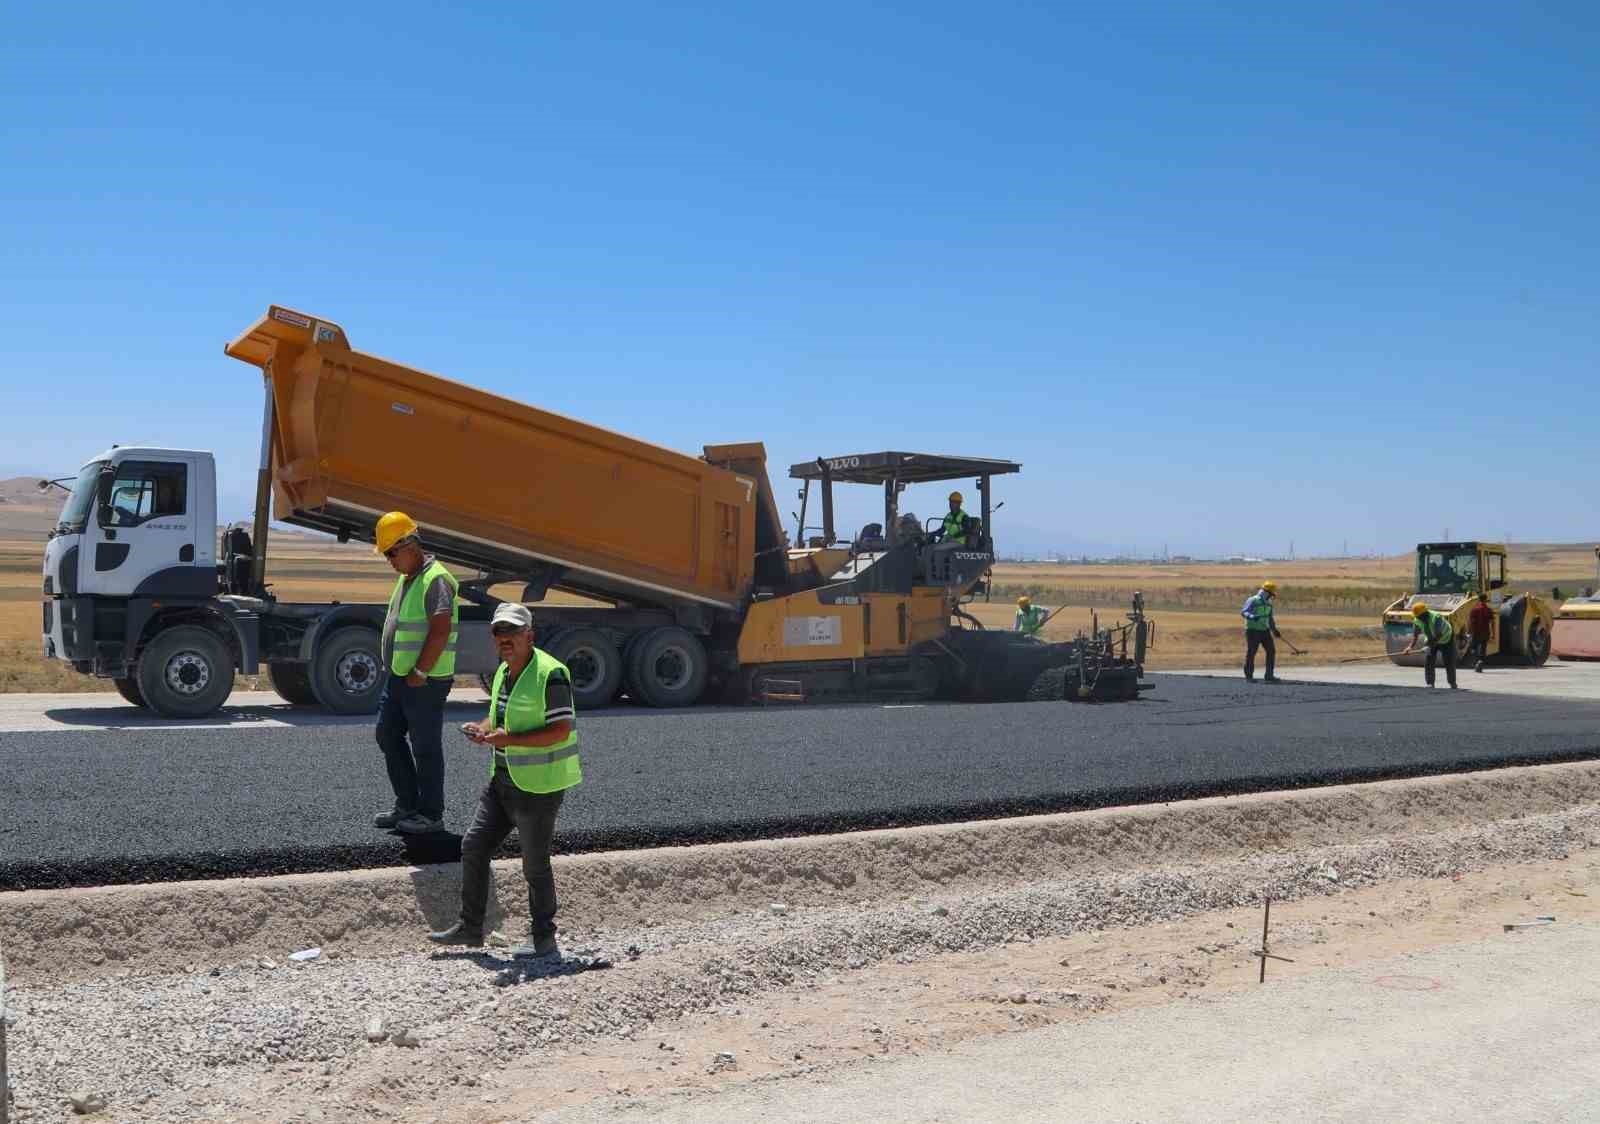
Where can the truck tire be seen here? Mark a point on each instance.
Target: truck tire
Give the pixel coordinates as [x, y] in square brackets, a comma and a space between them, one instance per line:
[594, 664]
[185, 672]
[129, 689]
[667, 667]
[292, 681]
[347, 671]
[1536, 649]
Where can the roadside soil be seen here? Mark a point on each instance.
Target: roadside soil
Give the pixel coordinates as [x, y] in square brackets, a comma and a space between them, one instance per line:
[771, 994]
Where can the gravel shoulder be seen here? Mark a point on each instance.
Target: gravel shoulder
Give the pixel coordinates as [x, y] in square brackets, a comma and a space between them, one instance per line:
[766, 994]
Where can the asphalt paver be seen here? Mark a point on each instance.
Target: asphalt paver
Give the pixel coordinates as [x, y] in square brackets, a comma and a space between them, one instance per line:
[94, 806]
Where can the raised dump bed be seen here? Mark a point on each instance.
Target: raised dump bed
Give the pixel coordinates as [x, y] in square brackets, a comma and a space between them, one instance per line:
[496, 484]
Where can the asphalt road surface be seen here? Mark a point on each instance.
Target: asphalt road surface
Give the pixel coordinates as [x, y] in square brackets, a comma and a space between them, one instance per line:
[84, 804]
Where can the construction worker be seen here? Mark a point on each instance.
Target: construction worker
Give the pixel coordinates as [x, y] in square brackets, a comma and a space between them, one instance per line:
[533, 729]
[1436, 630]
[419, 651]
[955, 522]
[1259, 629]
[1030, 617]
[1480, 625]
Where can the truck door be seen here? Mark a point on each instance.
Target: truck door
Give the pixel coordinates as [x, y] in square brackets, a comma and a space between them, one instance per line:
[142, 541]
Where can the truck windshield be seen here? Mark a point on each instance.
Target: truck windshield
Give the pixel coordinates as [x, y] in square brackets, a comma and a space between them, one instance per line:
[1447, 571]
[75, 512]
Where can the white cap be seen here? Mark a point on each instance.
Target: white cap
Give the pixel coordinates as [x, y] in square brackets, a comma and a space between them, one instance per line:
[509, 612]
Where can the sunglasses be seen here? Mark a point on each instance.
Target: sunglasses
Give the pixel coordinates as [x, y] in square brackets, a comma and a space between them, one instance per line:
[506, 630]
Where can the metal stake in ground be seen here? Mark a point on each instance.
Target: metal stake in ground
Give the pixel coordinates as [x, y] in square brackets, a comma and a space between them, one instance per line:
[1262, 953]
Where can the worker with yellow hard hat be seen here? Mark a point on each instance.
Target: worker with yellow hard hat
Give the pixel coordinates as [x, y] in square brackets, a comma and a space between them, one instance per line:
[419, 656]
[958, 525]
[1437, 632]
[1259, 629]
[1030, 617]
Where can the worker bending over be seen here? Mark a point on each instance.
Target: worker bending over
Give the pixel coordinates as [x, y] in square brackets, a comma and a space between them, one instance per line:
[532, 728]
[1480, 626]
[1436, 630]
[1259, 629]
[1030, 617]
[956, 523]
[419, 651]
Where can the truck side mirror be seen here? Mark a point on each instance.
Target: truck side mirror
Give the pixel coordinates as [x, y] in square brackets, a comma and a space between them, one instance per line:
[104, 513]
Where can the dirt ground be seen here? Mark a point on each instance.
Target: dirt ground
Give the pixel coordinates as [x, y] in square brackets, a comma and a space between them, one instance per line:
[896, 1010]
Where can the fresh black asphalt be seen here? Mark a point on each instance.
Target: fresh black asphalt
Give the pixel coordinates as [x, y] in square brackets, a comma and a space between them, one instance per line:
[92, 806]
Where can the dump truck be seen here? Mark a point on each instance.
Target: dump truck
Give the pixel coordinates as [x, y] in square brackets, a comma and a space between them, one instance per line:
[690, 586]
[1448, 578]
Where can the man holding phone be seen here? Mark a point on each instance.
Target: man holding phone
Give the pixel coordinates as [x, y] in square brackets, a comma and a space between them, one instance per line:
[532, 730]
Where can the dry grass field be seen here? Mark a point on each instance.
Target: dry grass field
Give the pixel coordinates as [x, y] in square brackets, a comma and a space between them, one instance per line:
[1327, 607]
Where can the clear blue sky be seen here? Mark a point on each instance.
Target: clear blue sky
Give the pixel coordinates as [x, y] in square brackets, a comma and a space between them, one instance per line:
[1221, 276]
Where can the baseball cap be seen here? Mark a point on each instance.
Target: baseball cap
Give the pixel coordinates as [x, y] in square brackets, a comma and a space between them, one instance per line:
[509, 612]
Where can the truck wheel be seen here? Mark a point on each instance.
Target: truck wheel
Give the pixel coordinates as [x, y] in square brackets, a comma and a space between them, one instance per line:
[185, 672]
[1537, 649]
[292, 681]
[668, 667]
[594, 663]
[346, 672]
[129, 689]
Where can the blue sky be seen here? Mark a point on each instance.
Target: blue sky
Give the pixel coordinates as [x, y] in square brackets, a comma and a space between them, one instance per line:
[1221, 276]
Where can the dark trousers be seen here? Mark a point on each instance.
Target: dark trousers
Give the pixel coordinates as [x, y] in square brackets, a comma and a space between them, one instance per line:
[504, 806]
[1448, 651]
[411, 734]
[1258, 638]
[1479, 651]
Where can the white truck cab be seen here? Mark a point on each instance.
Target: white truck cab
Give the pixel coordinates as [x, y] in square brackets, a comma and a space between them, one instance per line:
[138, 588]
[140, 521]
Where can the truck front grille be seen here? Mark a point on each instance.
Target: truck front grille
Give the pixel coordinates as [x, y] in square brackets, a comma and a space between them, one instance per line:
[49, 618]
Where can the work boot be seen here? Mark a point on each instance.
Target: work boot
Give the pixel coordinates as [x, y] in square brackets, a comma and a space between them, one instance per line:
[418, 824]
[1272, 679]
[458, 934]
[388, 820]
[537, 949]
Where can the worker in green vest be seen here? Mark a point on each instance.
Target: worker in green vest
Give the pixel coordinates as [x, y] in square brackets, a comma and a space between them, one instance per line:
[1435, 629]
[419, 654]
[956, 523]
[1260, 626]
[1030, 617]
[532, 728]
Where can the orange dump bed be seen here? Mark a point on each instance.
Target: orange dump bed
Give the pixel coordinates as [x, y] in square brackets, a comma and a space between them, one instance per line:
[495, 484]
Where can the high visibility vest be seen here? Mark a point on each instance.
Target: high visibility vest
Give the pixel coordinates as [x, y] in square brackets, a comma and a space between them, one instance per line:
[1436, 628]
[1030, 620]
[955, 527]
[1257, 613]
[411, 624]
[533, 768]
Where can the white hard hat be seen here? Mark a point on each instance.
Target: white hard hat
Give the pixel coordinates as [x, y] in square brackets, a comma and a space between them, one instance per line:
[509, 612]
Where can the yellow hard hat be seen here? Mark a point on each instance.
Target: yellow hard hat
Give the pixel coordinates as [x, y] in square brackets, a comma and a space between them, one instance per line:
[1024, 601]
[392, 528]
[955, 497]
[1418, 608]
[1270, 586]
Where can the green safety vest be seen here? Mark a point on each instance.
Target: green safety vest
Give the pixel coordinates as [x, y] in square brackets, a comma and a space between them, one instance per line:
[1030, 620]
[955, 527]
[1257, 613]
[533, 769]
[411, 624]
[1436, 628]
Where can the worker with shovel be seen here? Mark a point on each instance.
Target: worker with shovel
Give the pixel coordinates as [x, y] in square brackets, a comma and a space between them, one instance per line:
[1030, 617]
[1436, 629]
[1259, 629]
